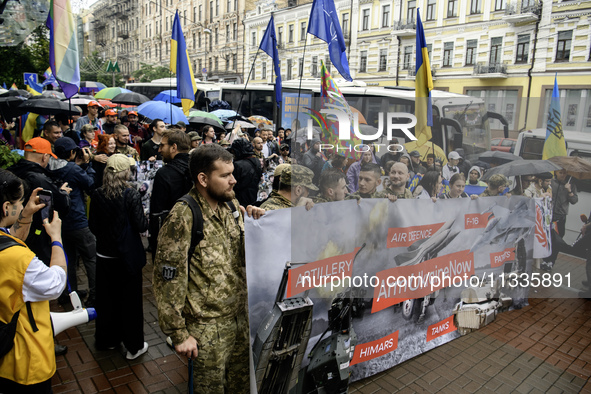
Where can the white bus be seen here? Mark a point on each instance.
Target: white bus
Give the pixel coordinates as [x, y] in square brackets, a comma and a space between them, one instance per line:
[205, 90]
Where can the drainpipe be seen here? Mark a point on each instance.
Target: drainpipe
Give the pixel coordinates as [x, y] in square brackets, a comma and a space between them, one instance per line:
[529, 71]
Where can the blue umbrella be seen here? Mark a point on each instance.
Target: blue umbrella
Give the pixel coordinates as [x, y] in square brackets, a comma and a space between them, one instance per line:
[168, 96]
[224, 114]
[161, 110]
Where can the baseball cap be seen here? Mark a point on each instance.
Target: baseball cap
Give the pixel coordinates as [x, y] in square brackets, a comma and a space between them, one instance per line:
[181, 124]
[453, 155]
[131, 113]
[279, 169]
[39, 145]
[94, 103]
[295, 175]
[497, 180]
[284, 147]
[225, 143]
[110, 112]
[63, 145]
[119, 162]
[194, 136]
[415, 153]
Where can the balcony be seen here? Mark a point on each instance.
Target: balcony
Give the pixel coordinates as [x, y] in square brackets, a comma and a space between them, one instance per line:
[99, 24]
[123, 34]
[524, 11]
[492, 70]
[404, 28]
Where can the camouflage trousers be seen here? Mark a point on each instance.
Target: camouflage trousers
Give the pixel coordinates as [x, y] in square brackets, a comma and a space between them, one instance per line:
[222, 364]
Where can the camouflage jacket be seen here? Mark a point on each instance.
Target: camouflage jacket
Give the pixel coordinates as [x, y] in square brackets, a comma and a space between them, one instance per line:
[128, 151]
[276, 201]
[214, 284]
[319, 199]
[358, 195]
[407, 193]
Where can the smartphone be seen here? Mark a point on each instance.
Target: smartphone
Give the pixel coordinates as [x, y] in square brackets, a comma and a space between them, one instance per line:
[46, 197]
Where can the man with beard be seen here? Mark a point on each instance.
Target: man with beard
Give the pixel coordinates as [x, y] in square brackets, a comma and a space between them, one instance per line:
[313, 160]
[398, 178]
[205, 313]
[111, 117]
[122, 141]
[171, 181]
[370, 177]
[294, 186]
[137, 131]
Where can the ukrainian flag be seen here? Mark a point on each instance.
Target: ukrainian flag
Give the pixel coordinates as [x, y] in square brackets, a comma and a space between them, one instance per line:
[180, 63]
[554, 144]
[423, 87]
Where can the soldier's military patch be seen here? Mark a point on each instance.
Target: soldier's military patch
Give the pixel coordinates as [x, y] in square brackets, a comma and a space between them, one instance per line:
[168, 273]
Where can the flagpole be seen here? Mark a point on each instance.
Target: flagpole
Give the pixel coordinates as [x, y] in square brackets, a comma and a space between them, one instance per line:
[244, 90]
[295, 132]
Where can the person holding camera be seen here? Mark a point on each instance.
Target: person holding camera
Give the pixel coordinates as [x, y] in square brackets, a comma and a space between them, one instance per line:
[26, 286]
[73, 166]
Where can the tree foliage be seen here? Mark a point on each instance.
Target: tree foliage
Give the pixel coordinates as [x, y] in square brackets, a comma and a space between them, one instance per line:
[31, 56]
[148, 73]
[94, 68]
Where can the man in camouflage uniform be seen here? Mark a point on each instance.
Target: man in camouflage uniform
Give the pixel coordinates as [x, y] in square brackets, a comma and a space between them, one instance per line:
[121, 135]
[496, 184]
[370, 177]
[398, 178]
[296, 181]
[333, 186]
[202, 304]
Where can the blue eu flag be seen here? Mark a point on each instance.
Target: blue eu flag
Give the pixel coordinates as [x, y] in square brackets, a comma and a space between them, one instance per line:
[269, 46]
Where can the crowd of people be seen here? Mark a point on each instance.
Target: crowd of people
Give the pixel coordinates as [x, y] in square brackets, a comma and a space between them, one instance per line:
[195, 224]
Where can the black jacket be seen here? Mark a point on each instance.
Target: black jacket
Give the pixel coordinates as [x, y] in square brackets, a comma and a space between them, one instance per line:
[149, 149]
[247, 171]
[170, 183]
[108, 218]
[35, 176]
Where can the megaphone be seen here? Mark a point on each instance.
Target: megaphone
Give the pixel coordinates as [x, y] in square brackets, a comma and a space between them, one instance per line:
[61, 321]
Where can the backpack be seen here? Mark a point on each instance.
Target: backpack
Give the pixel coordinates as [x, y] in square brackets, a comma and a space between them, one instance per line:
[197, 230]
[8, 330]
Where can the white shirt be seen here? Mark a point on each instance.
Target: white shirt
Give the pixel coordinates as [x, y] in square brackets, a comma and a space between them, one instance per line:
[448, 171]
[265, 150]
[43, 283]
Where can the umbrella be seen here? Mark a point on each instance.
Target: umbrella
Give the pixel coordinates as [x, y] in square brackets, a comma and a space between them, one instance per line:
[131, 98]
[301, 135]
[521, 167]
[91, 86]
[47, 106]
[168, 96]
[2, 91]
[425, 149]
[19, 92]
[160, 110]
[53, 94]
[574, 166]
[109, 93]
[224, 114]
[242, 124]
[200, 121]
[204, 114]
[498, 157]
[80, 99]
[256, 119]
[9, 106]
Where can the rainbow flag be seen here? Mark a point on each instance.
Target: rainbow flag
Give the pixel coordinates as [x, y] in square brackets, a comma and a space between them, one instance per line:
[554, 144]
[333, 98]
[423, 87]
[63, 47]
[14, 87]
[180, 63]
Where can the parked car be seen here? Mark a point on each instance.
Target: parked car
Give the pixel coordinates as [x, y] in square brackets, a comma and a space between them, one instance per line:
[503, 144]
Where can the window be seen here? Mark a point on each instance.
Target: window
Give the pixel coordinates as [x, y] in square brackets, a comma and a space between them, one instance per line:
[211, 12]
[499, 5]
[264, 70]
[365, 19]
[386, 15]
[303, 31]
[235, 5]
[200, 67]
[300, 67]
[279, 35]
[363, 62]
[522, 48]
[431, 10]
[194, 40]
[216, 63]
[451, 8]
[495, 50]
[166, 24]
[210, 43]
[471, 52]
[254, 38]
[410, 12]
[314, 66]
[210, 64]
[383, 59]
[227, 63]
[234, 31]
[194, 14]
[228, 37]
[429, 52]
[475, 6]
[563, 47]
[199, 40]
[290, 34]
[289, 67]
[228, 8]
[216, 36]
[345, 24]
[234, 61]
[448, 49]
[217, 9]
[200, 11]
[327, 63]
[407, 64]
